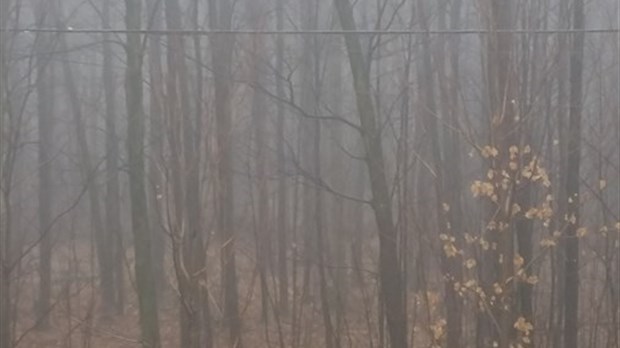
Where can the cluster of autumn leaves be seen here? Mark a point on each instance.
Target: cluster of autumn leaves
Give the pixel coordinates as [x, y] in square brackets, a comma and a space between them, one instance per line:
[522, 168]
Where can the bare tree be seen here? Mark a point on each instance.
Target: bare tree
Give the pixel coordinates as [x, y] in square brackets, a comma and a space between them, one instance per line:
[102, 239]
[453, 188]
[7, 158]
[220, 17]
[188, 244]
[282, 211]
[45, 112]
[571, 299]
[389, 265]
[149, 322]
[112, 196]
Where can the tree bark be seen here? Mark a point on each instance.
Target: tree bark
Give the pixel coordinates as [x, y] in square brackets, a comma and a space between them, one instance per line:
[220, 17]
[282, 211]
[451, 266]
[147, 300]
[6, 174]
[112, 197]
[102, 239]
[503, 134]
[45, 117]
[571, 282]
[390, 276]
[155, 142]
[188, 244]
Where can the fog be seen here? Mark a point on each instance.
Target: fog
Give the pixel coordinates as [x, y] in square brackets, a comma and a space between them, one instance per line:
[318, 173]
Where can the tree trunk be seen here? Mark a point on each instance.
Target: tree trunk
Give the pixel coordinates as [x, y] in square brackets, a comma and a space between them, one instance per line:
[195, 323]
[147, 300]
[102, 244]
[6, 174]
[258, 110]
[282, 212]
[308, 131]
[390, 276]
[571, 282]
[502, 135]
[220, 18]
[112, 198]
[45, 114]
[156, 146]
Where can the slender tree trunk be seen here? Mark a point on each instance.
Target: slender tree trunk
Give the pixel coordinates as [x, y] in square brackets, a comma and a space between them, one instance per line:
[156, 146]
[338, 222]
[258, 109]
[282, 212]
[453, 176]
[308, 131]
[220, 17]
[102, 244]
[189, 254]
[147, 300]
[502, 135]
[6, 299]
[390, 276]
[451, 267]
[6, 174]
[571, 282]
[45, 114]
[559, 254]
[112, 197]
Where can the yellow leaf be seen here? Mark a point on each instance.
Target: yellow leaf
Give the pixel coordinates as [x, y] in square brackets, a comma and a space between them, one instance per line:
[489, 151]
[512, 165]
[497, 289]
[547, 242]
[470, 263]
[572, 219]
[469, 239]
[438, 329]
[532, 280]
[531, 213]
[513, 150]
[523, 326]
[581, 232]
[549, 198]
[484, 244]
[518, 260]
[450, 250]
[602, 184]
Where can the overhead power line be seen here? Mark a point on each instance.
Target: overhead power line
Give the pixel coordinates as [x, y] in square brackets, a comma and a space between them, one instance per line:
[70, 30]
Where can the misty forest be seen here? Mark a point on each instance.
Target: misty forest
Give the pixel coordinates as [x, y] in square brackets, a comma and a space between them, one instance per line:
[316, 173]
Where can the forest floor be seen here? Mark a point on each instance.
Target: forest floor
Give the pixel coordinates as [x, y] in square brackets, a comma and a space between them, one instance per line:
[76, 320]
